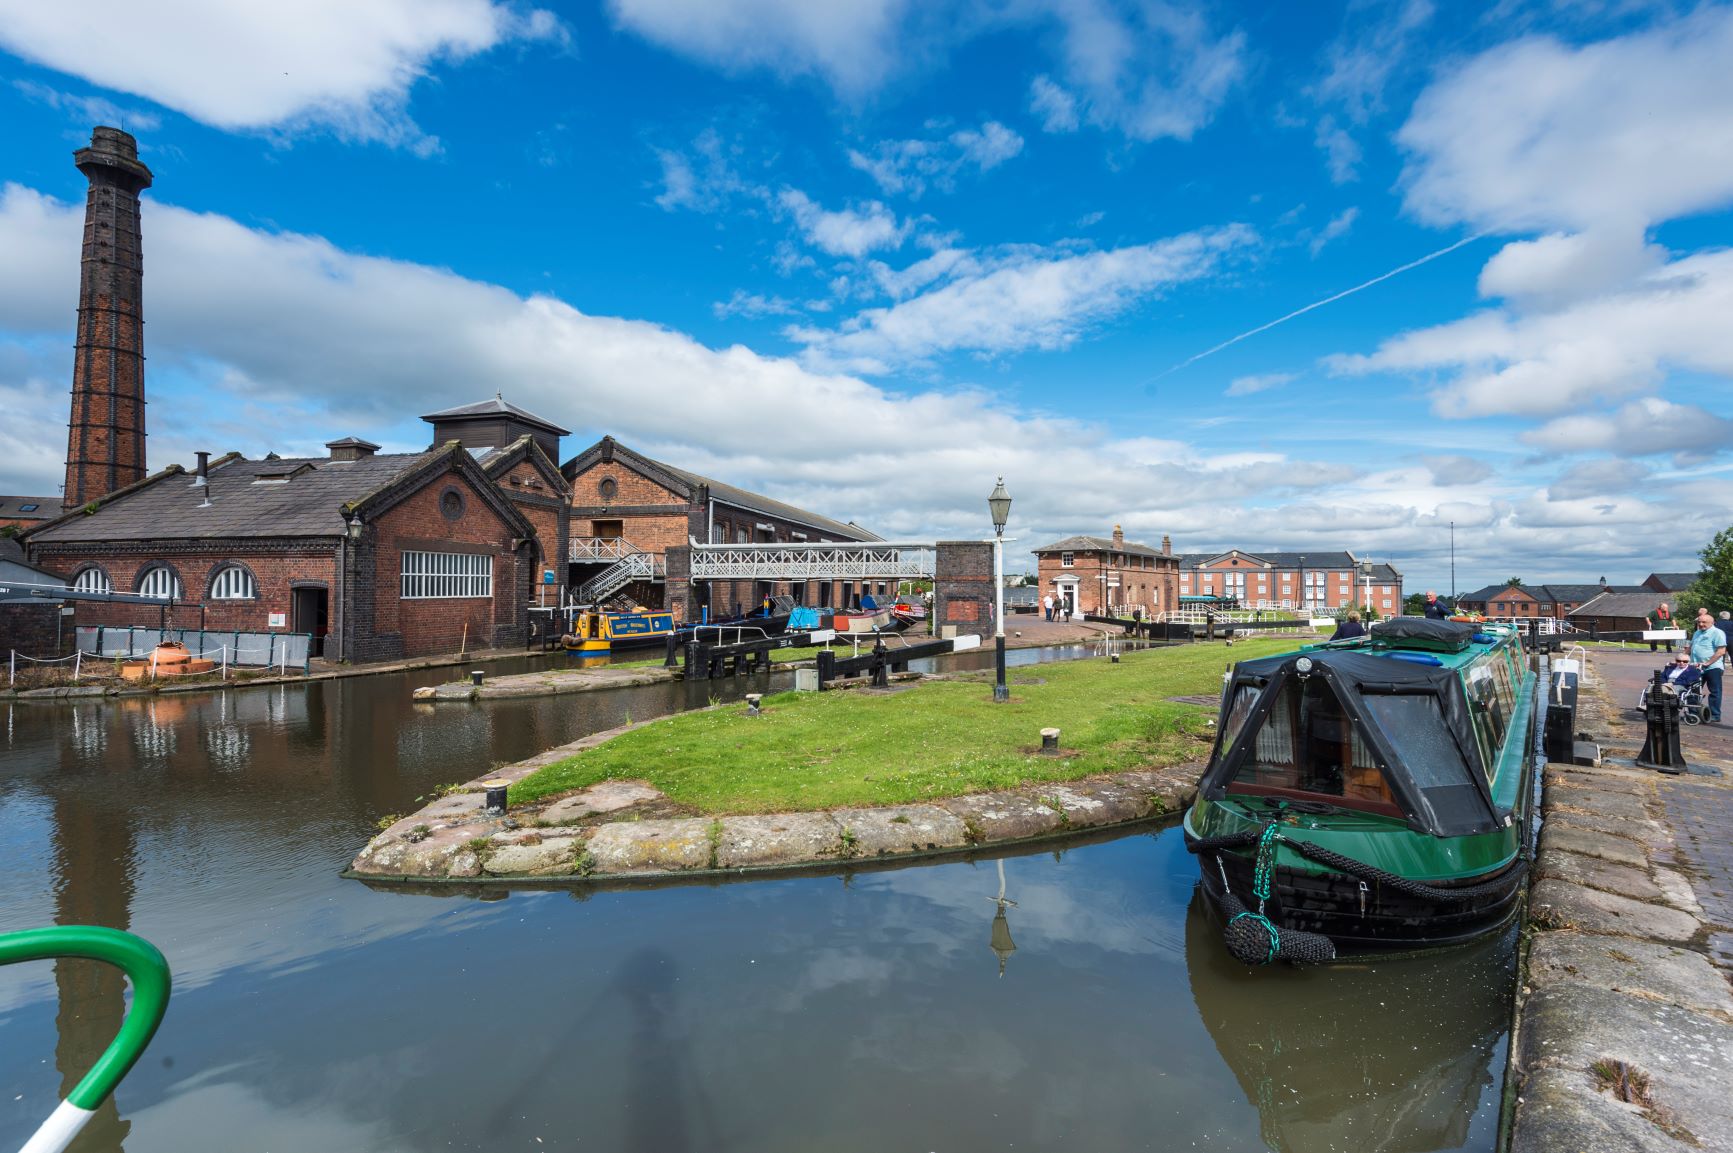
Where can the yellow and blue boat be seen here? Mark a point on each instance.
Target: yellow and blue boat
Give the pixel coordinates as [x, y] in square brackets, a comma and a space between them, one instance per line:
[596, 631]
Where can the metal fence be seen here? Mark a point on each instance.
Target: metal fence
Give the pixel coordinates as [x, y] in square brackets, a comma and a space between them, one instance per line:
[260, 650]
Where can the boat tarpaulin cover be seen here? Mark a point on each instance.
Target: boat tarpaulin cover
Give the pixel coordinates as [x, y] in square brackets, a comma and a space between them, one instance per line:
[1449, 636]
[1440, 784]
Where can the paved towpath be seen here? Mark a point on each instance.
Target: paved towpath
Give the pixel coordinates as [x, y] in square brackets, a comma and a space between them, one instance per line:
[1624, 1035]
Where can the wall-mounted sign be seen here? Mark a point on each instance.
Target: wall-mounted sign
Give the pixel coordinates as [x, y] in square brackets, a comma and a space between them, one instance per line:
[547, 576]
[277, 621]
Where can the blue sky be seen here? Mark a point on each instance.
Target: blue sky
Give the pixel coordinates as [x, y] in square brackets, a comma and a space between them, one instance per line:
[869, 257]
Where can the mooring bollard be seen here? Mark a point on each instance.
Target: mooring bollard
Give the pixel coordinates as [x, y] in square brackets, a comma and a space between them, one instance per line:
[1114, 658]
[475, 677]
[752, 700]
[494, 802]
[1661, 737]
[1050, 742]
[672, 661]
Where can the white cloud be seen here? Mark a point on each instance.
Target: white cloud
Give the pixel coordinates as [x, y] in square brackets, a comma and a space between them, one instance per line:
[1341, 153]
[88, 110]
[1557, 268]
[1361, 60]
[1453, 469]
[1607, 347]
[1537, 135]
[1645, 427]
[1031, 299]
[909, 166]
[852, 232]
[752, 305]
[1339, 226]
[342, 64]
[1056, 107]
[1597, 479]
[852, 46]
[1247, 385]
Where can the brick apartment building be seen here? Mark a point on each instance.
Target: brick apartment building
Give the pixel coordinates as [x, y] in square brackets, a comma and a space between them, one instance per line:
[621, 495]
[1325, 582]
[1109, 576]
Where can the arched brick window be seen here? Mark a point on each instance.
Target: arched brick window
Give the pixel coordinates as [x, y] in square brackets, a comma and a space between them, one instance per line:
[234, 583]
[92, 580]
[159, 581]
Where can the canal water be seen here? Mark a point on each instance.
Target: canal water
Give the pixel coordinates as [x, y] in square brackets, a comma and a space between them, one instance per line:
[903, 1009]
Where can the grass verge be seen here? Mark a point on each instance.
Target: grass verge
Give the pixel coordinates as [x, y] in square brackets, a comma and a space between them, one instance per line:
[936, 739]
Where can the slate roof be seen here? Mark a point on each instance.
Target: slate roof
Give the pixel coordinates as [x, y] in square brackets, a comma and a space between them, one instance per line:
[496, 406]
[727, 493]
[1097, 544]
[307, 505]
[1674, 581]
[1640, 603]
[11, 507]
[1549, 593]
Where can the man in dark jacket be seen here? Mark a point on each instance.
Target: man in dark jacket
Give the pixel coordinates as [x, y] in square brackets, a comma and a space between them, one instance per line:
[1436, 610]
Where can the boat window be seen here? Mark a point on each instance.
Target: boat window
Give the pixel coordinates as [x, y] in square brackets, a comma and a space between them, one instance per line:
[1245, 696]
[1309, 744]
[1429, 753]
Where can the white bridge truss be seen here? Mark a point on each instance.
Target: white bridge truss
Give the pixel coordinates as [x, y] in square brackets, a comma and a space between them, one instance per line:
[852, 560]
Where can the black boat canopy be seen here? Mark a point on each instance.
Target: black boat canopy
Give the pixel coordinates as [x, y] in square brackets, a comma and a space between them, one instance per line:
[1359, 730]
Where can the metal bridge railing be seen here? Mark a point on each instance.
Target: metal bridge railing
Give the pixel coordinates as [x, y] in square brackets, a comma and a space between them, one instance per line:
[825, 560]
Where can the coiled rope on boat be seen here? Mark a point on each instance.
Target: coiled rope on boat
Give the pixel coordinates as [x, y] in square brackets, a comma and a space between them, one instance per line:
[1251, 937]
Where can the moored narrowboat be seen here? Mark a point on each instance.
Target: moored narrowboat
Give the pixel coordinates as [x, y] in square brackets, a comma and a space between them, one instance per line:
[594, 631]
[1369, 794]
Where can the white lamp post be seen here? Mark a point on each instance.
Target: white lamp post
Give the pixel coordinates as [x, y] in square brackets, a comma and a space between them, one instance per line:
[999, 504]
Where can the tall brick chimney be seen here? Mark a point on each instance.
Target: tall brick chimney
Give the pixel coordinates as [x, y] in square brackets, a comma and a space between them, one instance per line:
[105, 442]
[1118, 535]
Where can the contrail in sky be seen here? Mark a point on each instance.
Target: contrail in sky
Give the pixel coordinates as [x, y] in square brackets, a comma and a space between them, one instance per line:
[1431, 256]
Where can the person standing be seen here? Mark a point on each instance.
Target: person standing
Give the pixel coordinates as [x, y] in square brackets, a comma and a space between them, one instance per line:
[1663, 619]
[1709, 653]
[1436, 610]
[1349, 627]
[1047, 605]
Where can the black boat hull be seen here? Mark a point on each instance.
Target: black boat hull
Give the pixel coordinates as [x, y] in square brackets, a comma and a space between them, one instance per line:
[1372, 918]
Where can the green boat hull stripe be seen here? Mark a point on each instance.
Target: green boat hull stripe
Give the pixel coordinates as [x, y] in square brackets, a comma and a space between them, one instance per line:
[143, 965]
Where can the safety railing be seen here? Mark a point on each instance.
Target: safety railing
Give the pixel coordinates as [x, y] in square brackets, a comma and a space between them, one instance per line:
[148, 971]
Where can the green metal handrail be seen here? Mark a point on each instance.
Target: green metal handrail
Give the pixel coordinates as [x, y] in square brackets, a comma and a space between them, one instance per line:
[148, 971]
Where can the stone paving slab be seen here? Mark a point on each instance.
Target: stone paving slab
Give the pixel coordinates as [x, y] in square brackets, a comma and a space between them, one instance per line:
[1618, 850]
[601, 797]
[1559, 904]
[1620, 806]
[748, 842]
[1562, 1111]
[1648, 832]
[545, 683]
[1647, 969]
[676, 846]
[1688, 1056]
[1598, 874]
[900, 829]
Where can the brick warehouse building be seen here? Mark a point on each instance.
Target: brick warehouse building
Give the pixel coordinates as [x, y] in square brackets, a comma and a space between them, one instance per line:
[619, 494]
[1322, 581]
[378, 555]
[1109, 576]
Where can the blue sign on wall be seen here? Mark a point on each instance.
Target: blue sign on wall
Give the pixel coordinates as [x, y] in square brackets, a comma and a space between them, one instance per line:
[547, 576]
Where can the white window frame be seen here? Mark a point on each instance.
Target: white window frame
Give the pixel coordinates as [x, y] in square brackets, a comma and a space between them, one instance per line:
[159, 581]
[93, 580]
[426, 576]
[1067, 559]
[234, 583]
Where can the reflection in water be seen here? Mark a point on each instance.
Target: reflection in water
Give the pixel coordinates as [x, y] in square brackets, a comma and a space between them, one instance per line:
[800, 1013]
[1393, 1055]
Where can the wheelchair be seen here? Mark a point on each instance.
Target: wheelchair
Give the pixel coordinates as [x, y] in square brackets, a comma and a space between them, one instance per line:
[1693, 698]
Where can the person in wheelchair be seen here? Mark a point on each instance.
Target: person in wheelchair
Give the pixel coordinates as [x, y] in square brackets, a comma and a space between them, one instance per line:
[1681, 673]
[1686, 679]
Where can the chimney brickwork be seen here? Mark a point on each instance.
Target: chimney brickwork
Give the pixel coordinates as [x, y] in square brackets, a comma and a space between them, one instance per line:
[106, 433]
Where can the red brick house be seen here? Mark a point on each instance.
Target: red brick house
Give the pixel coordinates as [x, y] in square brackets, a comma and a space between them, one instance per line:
[378, 556]
[1109, 576]
[1525, 602]
[1324, 581]
[624, 499]
[26, 512]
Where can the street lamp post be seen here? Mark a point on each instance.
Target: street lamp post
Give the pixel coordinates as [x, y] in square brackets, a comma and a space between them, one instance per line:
[999, 504]
[1366, 572]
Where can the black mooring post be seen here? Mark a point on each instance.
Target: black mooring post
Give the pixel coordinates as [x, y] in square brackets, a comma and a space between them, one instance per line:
[1661, 750]
[826, 667]
[697, 662]
[880, 679]
[672, 660]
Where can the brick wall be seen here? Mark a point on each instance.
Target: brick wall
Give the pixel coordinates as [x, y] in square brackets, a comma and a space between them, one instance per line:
[386, 626]
[963, 586]
[277, 567]
[35, 630]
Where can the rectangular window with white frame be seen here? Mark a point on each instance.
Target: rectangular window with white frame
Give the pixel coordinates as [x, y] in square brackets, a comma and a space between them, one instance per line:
[1066, 559]
[446, 575]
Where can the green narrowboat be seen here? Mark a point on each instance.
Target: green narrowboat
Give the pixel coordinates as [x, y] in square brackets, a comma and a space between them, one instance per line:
[1369, 794]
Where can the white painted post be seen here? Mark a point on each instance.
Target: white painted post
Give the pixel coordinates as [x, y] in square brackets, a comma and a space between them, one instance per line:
[223, 651]
[77, 663]
[12, 668]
